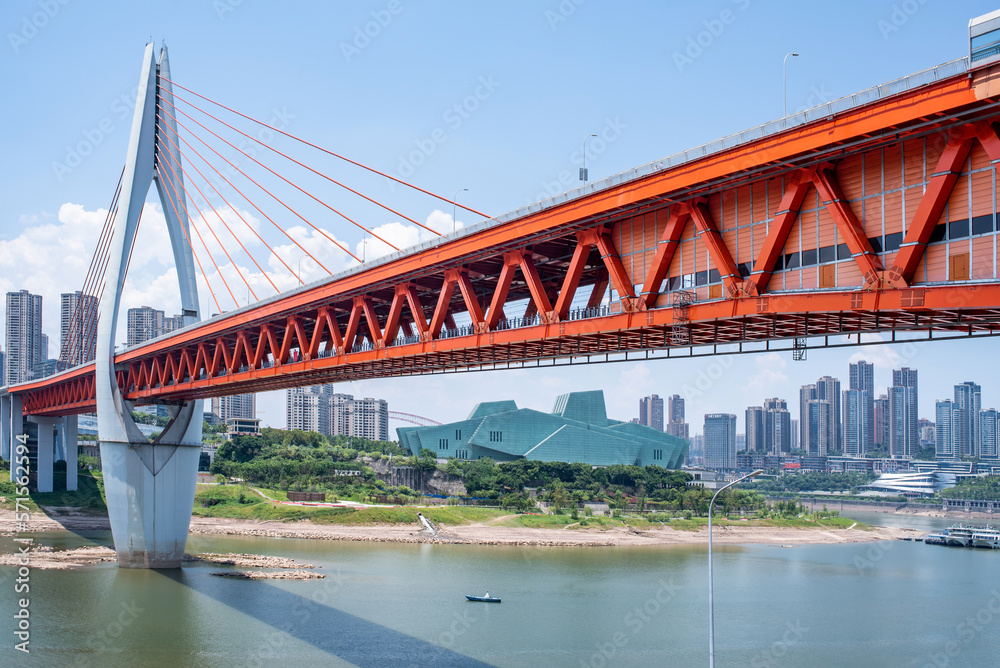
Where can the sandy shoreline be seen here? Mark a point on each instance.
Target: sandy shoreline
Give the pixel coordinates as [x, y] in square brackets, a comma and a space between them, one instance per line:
[484, 534]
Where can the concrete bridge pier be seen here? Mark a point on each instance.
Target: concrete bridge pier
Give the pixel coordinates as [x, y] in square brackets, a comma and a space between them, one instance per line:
[45, 451]
[5, 426]
[150, 490]
[15, 427]
[70, 449]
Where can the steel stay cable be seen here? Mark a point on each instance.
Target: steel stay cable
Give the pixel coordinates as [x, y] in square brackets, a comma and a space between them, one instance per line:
[304, 166]
[198, 234]
[289, 182]
[205, 220]
[188, 238]
[320, 148]
[82, 313]
[254, 205]
[232, 208]
[302, 218]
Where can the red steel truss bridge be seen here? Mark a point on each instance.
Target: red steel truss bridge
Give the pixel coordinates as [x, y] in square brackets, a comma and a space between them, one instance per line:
[875, 213]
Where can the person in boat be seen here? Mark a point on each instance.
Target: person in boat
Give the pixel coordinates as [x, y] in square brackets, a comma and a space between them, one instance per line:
[487, 595]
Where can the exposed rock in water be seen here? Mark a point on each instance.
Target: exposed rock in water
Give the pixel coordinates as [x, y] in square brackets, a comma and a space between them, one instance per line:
[272, 575]
[44, 557]
[247, 560]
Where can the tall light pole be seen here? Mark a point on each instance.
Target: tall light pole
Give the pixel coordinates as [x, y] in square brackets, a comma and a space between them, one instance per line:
[583, 170]
[299, 275]
[454, 209]
[711, 606]
[784, 88]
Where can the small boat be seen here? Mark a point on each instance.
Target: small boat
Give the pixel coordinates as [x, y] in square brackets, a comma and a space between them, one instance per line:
[483, 599]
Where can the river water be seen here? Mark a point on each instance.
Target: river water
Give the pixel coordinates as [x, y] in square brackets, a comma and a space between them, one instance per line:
[890, 603]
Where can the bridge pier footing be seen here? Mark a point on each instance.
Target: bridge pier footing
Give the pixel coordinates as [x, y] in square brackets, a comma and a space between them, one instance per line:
[150, 492]
[71, 448]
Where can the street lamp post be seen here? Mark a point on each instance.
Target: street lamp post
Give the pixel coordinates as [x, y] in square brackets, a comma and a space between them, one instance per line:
[711, 606]
[784, 89]
[299, 276]
[454, 209]
[583, 170]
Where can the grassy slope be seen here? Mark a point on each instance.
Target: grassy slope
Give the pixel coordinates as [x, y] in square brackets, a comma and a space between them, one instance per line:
[90, 497]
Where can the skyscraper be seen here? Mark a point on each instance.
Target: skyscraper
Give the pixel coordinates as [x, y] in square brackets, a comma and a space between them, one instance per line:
[989, 439]
[369, 418]
[676, 426]
[235, 406]
[828, 389]
[882, 420]
[24, 336]
[945, 414]
[904, 435]
[968, 402]
[720, 441]
[77, 328]
[859, 410]
[854, 422]
[755, 435]
[769, 427]
[318, 408]
[819, 416]
[144, 323]
[651, 412]
[304, 408]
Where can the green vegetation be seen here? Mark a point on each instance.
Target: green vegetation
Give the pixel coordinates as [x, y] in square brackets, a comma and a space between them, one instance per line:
[807, 481]
[975, 489]
[238, 502]
[88, 496]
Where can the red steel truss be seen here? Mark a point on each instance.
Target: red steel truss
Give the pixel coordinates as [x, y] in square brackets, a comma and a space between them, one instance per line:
[830, 228]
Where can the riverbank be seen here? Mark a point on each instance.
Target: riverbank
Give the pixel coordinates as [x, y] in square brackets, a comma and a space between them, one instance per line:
[490, 533]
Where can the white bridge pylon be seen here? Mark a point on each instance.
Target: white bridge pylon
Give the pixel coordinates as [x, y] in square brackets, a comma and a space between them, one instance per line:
[149, 486]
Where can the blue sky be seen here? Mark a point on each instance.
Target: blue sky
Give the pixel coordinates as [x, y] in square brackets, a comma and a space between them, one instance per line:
[380, 81]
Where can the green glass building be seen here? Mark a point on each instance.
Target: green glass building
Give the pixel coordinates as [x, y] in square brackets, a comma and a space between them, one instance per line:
[577, 430]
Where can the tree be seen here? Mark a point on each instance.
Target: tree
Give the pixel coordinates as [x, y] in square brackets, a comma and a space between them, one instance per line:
[241, 449]
[559, 496]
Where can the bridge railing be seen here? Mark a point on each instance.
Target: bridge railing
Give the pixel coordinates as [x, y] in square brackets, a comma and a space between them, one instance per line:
[822, 111]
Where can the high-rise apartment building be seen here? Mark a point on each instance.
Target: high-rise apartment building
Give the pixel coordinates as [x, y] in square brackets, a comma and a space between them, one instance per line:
[651, 412]
[369, 418]
[318, 408]
[24, 336]
[945, 415]
[754, 426]
[769, 427]
[968, 403]
[720, 441]
[819, 416]
[340, 414]
[77, 328]
[904, 432]
[859, 410]
[989, 439]
[676, 426]
[243, 406]
[303, 407]
[882, 420]
[828, 389]
[145, 323]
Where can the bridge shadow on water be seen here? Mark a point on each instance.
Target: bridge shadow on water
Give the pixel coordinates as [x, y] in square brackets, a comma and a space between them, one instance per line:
[338, 633]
